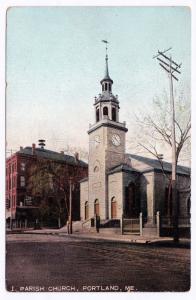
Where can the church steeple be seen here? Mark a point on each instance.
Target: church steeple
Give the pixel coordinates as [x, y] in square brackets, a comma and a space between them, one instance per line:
[106, 82]
[106, 104]
[106, 67]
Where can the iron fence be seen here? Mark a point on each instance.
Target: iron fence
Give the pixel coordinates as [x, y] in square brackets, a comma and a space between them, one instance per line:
[131, 226]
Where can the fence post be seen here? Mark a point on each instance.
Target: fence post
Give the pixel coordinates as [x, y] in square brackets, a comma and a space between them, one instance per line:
[158, 223]
[121, 223]
[141, 224]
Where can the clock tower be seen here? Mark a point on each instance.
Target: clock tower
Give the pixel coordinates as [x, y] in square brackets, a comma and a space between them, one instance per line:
[106, 146]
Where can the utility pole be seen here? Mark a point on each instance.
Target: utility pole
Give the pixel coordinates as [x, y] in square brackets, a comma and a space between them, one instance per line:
[70, 205]
[73, 179]
[11, 198]
[171, 67]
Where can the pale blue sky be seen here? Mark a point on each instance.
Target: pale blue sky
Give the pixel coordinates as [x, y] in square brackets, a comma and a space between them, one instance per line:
[55, 61]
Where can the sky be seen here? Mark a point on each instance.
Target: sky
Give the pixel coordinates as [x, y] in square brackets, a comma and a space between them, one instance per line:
[55, 61]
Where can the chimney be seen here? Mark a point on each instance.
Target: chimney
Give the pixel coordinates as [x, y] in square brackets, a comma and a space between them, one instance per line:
[33, 149]
[42, 143]
[76, 155]
[21, 148]
[62, 152]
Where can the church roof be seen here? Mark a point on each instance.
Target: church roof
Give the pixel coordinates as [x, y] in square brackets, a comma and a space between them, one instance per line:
[52, 155]
[107, 97]
[155, 164]
[84, 179]
[122, 168]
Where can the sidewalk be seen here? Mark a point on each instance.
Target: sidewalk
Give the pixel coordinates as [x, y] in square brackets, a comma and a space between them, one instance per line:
[103, 236]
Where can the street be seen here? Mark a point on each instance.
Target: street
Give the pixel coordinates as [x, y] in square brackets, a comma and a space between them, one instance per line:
[67, 264]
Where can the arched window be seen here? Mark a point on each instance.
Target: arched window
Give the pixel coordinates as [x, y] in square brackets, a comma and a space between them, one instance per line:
[97, 115]
[113, 114]
[102, 87]
[109, 87]
[86, 211]
[106, 86]
[96, 207]
[105, 111]
[113, 208]
[96, 169]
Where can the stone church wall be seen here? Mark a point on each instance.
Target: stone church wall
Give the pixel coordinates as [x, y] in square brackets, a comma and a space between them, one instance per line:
[162, 182]
[147, 204]
[184, 195]
[115, 189]
[97, 176]
[83, 198]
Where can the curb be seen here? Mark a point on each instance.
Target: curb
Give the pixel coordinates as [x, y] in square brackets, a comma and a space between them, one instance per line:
[90, 237]
[106, 239]
[97, 238]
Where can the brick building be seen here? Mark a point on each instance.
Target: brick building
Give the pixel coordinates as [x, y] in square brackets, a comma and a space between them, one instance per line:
[20, 205]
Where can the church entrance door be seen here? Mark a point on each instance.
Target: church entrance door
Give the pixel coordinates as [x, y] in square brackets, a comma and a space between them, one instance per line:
[130, 205]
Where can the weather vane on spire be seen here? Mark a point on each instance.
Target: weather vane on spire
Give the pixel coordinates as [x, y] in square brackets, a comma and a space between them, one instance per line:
[106, 46]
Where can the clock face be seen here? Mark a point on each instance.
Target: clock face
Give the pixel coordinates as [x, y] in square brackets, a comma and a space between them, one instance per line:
[116, 140]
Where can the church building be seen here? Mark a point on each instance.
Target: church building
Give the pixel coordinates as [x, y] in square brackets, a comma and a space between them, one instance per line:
[121, 184]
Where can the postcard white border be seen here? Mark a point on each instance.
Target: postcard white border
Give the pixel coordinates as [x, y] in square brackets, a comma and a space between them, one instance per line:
[4, 4]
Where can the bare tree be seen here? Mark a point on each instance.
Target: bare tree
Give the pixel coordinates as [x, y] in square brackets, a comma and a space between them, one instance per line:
[72, 150]
[155, 128]
[49, 185]
[154, 136]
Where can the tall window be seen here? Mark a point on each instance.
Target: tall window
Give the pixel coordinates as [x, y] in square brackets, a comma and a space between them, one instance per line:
[96, 207]
[7, 203]
[113, 208]
[86, 211]
[106, 86]
[113, 114]
[105, 111]
[22, 181]
[22, 166]
[109, 87]
[14, 181]
[97, 115]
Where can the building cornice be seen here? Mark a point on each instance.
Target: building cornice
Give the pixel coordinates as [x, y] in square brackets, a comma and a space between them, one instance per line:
[156, 170]
[114, 102]
[108, 123]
